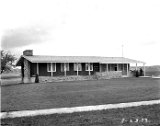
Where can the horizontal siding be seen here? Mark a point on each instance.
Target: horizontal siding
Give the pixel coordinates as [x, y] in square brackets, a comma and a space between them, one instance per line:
[58, 70]
[71, 69]
[96, 68]
[43, 70]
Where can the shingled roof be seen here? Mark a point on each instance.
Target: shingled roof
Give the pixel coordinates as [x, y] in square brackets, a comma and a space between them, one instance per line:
[75, 59]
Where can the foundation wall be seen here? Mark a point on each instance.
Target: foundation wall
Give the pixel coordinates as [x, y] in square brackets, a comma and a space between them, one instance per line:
[108, 75]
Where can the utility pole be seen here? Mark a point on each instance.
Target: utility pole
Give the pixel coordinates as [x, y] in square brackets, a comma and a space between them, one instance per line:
[122, 50]
[122, 61]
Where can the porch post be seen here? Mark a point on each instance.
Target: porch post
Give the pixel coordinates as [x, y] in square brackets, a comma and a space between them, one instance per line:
[37, 68]
[144, 69]
[89, 70]
[51, 74]
[100, 68]
[77, 69]
[117, 67]
[51, 71]
[64, 69]
[127, 69]
[136, 66]
[106, 67]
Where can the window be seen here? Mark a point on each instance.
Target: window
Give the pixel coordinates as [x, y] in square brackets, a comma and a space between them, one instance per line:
[79, 65]
[89, 66]
[64, 66]
[51, 67]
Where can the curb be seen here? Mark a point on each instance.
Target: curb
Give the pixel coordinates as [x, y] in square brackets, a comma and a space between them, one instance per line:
[28, 113]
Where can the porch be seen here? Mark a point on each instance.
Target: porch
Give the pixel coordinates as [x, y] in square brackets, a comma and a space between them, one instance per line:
[78, 69]
[49, 72]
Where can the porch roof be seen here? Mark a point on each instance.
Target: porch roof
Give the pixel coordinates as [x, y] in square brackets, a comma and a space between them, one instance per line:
[75, 59]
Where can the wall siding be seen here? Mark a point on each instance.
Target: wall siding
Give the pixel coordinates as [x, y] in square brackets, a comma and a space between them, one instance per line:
[71, 69]
[96, 68]
[103, 67]
[43, 70]
[33, 69]
[58, 70]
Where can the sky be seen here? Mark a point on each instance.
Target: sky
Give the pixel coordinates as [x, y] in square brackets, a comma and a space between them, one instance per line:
[110, 28]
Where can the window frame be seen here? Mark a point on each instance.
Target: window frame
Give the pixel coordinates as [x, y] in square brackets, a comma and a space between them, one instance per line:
[51, 67]
[89, 66]
[63, 66]
[86, 64]
[77, 65]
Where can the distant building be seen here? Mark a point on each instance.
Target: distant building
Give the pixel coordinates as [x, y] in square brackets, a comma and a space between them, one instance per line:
[54, 66]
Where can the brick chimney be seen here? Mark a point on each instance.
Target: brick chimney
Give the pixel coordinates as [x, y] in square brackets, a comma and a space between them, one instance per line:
[28, 52]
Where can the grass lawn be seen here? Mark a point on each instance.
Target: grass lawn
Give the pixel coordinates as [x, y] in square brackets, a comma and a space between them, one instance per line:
[135, 116]
[152, 73]
[80, 93]
[10, 75]
[10, 78]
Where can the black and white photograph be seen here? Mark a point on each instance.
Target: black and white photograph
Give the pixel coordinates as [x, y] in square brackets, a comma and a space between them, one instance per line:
[80, 62]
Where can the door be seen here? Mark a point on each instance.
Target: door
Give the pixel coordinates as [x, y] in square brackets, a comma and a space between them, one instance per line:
[96, 67]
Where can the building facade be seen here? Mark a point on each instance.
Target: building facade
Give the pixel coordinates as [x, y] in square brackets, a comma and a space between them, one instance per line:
[55, 66]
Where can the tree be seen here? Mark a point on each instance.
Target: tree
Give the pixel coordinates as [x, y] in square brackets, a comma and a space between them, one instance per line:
[7, 60]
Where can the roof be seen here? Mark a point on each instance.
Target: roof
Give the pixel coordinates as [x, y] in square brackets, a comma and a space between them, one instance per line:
[75, 59]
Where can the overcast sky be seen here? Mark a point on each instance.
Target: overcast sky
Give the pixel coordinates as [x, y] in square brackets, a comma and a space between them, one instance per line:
[83, 28]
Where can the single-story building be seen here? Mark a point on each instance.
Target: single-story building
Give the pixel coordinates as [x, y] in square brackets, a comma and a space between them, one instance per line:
[54, 66]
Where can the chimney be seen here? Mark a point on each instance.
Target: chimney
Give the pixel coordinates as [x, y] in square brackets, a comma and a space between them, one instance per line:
[28, 52]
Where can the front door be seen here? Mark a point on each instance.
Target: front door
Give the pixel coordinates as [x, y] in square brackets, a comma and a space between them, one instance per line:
[96, 67]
